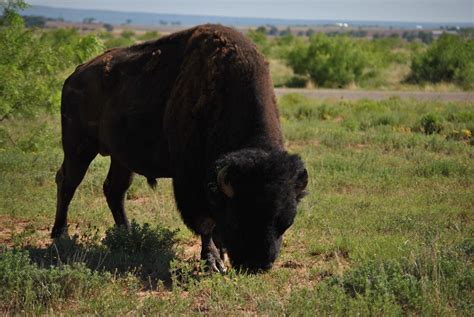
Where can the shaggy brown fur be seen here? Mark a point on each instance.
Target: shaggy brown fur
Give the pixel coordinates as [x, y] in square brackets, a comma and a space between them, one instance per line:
[170, 108]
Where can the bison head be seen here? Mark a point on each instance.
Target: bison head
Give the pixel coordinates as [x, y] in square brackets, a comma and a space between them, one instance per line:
[254, 196]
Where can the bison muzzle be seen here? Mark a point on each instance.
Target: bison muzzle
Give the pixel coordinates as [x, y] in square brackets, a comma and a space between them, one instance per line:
[198, 107]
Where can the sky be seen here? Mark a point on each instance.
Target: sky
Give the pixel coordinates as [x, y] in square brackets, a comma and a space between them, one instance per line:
[362, 10]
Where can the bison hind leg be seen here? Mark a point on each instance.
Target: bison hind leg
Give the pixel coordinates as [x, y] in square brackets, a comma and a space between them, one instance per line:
[68, 178]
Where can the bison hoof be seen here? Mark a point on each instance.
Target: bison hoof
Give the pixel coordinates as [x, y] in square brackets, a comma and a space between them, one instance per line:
[59, 232]
[214, 263]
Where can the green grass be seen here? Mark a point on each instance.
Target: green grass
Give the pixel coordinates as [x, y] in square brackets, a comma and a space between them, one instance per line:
[386, 228]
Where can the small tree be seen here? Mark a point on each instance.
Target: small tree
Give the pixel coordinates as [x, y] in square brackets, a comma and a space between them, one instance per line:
[32, 65]
[329, 62]
[259, 37]
[448, 59]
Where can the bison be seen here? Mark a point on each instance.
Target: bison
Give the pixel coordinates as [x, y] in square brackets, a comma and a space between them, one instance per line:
[196, 106]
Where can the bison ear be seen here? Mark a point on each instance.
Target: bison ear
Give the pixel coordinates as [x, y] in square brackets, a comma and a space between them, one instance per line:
[301, 183]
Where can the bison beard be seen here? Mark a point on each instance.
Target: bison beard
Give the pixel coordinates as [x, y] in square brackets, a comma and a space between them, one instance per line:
[198, 107]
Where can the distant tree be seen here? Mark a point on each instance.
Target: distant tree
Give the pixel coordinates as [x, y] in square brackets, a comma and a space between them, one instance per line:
[88, 20]
[273, 30]
[425, 37]
[287, 31]
[34, 21]
[467, 32]
[310, 32]
[262, 29]
[409, 36]
[128, 21]
[377, 36]
[108, 27]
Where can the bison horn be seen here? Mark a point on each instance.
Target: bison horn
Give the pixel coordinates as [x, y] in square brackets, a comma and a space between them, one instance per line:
[225, 187]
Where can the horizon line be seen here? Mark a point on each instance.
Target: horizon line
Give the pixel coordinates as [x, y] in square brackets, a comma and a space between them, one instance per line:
[244, 17]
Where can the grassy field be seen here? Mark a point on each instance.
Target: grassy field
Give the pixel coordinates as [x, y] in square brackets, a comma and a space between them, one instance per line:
[387, 227]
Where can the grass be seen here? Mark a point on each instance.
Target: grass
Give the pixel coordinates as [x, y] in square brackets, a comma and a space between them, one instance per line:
[386, 228]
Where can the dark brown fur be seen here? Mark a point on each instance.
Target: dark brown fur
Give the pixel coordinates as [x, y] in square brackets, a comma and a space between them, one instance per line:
[167, 108]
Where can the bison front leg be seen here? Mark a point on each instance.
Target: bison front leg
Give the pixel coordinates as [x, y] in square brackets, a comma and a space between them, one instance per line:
[211, 255]
[115, 187]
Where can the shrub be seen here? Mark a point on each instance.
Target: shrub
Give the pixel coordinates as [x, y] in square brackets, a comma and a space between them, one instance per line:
[118, 42]
[430, 123]
[259, 37]
[448, 59]
[296, 107]
[149, 35]
[329, 62]
[296, 81]
[127, 34]
[26, 286]
[147, 249]
[32, 65]
[144, 250]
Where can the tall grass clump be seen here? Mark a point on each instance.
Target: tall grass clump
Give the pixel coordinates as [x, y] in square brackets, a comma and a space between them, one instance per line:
[430, 123]
[432, 282]
[25, 286]
[144, 250]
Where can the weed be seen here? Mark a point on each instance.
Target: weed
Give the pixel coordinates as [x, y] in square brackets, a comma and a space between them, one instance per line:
[27, 287]
[430, 123]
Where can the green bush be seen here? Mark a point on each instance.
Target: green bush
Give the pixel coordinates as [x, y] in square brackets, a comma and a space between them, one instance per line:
[430, 123]
[33, 64]
[118, 42]
[144, 250]
[26, 286]
[296, 82]
[127, 34]
[149, 250]
[448, 59]
[149, 35]
[330, 61]
[259, 37]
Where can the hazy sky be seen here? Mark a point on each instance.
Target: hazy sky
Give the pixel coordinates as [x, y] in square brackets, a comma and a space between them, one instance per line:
[380, 10]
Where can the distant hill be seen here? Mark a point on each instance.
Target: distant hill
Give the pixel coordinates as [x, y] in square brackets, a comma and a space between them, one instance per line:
[156, 19]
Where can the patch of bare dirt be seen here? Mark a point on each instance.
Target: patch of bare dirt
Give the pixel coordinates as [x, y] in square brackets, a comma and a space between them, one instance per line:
[291, 264]
[16, 230]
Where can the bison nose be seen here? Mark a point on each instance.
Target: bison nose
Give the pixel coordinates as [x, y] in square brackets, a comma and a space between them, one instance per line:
[267, 266]
[258, 268]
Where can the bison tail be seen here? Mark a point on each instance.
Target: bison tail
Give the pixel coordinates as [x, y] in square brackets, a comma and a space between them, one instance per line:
[151, 182]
